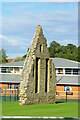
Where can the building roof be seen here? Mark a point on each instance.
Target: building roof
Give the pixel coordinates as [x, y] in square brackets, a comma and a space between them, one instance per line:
[13, 64]
[9, 78]
[58, 63]
[65, 63]
[70, 80]
[13, 78]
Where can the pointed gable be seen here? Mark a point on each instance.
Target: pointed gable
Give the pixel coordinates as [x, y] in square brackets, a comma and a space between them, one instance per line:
[38, 75]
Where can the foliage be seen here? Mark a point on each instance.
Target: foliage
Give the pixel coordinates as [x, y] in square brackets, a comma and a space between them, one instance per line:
[18, 58]
[3, 56]
[69, 109]
[78, 54]
[68, 52]
[52, 48]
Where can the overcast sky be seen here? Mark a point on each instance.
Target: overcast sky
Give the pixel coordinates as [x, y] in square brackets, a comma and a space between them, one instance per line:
[19, 21]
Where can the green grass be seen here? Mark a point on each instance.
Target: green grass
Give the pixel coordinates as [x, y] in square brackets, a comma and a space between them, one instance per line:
[69, 109]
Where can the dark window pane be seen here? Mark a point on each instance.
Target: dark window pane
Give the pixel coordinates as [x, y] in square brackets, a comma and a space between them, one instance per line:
[75, 71]
[9, 86]
[15, 86]
[68, 71]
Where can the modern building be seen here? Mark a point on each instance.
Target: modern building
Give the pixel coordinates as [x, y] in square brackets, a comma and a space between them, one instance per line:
[67, 77]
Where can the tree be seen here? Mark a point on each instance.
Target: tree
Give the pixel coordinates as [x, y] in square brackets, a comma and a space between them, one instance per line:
[18, 58]
[78, 57]
[68, 52]
[3, 56]
[52, 48]
[24, 56]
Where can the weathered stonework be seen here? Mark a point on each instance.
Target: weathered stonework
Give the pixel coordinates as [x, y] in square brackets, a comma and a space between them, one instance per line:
[38, 82]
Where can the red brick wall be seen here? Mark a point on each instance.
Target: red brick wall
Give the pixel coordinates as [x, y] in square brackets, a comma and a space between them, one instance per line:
[60, 93]
[9, 60]
[4, 87]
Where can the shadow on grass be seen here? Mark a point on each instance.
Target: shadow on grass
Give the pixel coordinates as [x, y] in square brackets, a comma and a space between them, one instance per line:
[42, 119]
[57, 102]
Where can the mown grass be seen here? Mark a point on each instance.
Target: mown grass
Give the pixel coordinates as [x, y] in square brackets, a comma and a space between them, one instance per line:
[69, 109]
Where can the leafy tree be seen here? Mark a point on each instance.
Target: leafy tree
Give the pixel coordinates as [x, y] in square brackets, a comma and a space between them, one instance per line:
[52, 48]
[24, 57]
[68, 52]
[3, 56]
[18, 58]
[78, 57]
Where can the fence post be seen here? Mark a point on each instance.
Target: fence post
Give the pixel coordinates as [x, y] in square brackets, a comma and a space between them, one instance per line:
[15, 95]
[5, 93]
[10, 94]
[66, 95]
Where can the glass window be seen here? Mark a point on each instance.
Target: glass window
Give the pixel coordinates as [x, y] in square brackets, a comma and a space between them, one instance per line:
[59, 71]
[16, 70]
[68, 71]
[10, 70]
[15, 86]
[78, 71]
[75, 71]
[3, 70]
[9, 86]
[0, 90]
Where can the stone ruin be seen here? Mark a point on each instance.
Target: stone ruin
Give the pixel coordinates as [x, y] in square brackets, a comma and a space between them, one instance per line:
[38, 83]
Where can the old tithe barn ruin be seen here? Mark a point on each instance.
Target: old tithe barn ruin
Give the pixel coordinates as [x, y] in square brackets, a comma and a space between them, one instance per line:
[38, 81]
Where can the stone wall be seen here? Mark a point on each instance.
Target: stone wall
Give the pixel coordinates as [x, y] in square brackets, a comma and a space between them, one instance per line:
[37, 70]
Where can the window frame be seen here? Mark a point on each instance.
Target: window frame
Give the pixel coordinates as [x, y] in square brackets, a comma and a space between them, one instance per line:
[9, 86]
[16, 85]
[59, 71]
[75, 73]
[68, 71]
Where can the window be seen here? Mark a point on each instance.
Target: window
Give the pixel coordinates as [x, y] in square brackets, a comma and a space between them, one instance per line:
[9, 86]
[33, 70]
[37, 75]
[59, 71]
[16, 70]
[10, 70]
[75, 71]
[68, 71]
[68, 88]
[41, 48]
[3, 70]
[46, 80]
[0, 90]
[15, 86]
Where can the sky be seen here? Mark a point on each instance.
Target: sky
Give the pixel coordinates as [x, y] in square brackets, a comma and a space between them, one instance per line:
[59, 22]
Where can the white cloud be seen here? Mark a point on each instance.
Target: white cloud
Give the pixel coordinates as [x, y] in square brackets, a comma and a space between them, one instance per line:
[19, 27]
[67, 41]
[14, 42]
[9, 41]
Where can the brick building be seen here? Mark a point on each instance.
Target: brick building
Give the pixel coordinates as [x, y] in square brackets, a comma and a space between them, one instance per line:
[67, 76]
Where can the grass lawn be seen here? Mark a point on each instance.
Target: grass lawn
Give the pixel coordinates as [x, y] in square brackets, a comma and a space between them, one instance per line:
[69, 109]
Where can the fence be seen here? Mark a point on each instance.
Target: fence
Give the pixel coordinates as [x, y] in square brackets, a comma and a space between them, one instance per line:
[13, 95]
[9, 95]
